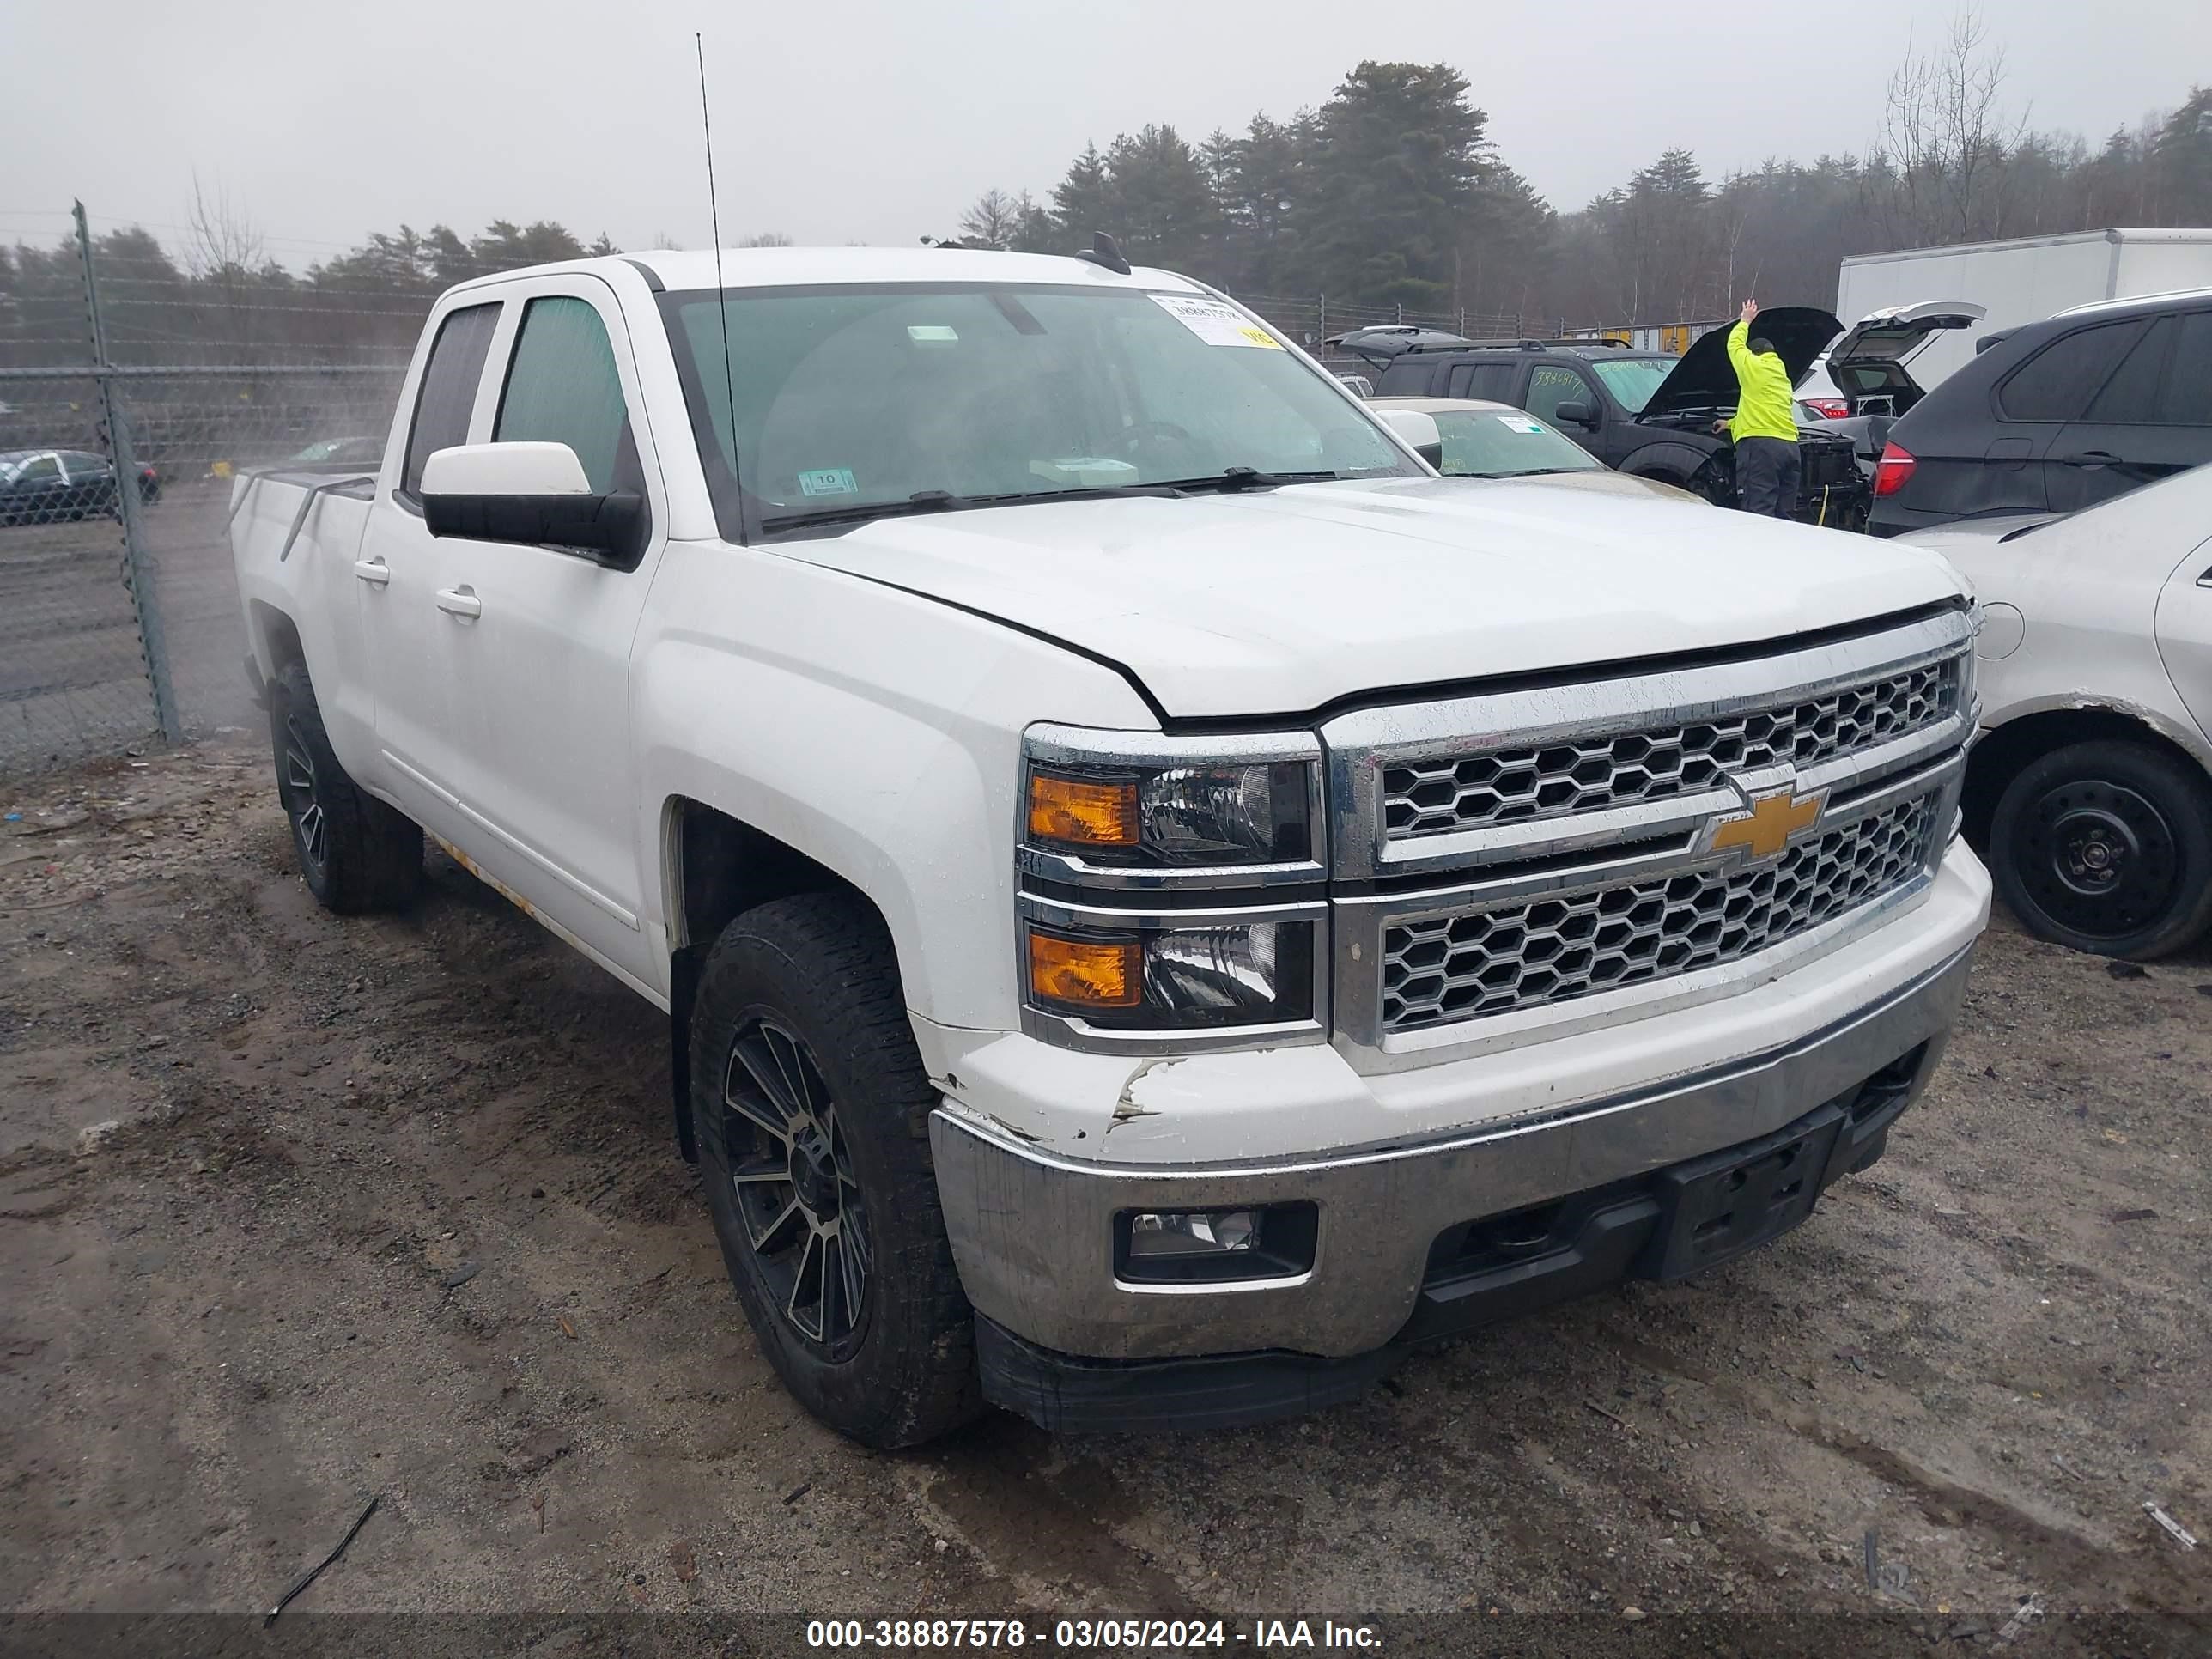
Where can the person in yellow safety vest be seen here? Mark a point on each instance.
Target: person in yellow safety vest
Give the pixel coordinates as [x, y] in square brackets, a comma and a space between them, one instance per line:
[1764, 431]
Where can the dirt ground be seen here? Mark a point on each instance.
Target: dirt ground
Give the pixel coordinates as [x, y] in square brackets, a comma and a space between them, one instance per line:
[293, 1210]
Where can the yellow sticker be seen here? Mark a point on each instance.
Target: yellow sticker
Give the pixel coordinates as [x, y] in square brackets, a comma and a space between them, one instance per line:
[1214, 322]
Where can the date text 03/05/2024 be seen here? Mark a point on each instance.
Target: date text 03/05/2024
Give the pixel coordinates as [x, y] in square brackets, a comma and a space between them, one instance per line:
[1126, 1634]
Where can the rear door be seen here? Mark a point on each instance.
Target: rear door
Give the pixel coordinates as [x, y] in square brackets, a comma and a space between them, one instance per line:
[2020, 467]
[2151, 418]
[407, 582]
[2184, 632]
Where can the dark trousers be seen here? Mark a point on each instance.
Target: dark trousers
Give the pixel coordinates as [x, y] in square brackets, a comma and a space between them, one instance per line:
[1766, 476]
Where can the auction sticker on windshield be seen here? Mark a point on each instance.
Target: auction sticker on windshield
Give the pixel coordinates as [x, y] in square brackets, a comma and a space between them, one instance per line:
[828, 481]
[1215, 323]
[1519, 423]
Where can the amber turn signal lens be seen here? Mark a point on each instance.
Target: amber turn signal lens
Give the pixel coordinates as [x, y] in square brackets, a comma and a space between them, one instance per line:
[1085, 973]
[1082, 810]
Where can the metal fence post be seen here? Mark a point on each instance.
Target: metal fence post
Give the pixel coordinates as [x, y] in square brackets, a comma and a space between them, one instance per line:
[141, 583]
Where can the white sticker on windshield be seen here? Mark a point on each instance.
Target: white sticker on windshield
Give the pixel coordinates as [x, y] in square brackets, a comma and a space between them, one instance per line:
[932, 333]
[1215, 323]
[828, 481]
[1520, 423]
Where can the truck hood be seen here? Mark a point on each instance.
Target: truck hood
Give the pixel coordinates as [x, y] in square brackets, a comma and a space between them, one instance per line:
[1704, 378]
[1279, 602]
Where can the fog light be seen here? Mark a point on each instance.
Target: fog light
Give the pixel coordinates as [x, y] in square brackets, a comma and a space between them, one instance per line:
[1197, 1247]
[1192, 1232]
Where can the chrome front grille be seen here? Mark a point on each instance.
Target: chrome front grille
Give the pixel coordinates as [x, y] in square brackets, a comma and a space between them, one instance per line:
[1456, 792]
[1527, 953]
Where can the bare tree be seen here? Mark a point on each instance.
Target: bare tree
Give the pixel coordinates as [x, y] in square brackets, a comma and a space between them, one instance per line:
[224, 257]
[993, 220]
[1946, 139]
[763, 238]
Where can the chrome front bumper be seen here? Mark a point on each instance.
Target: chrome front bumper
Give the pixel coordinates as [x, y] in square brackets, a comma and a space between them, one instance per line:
[1031, 1232]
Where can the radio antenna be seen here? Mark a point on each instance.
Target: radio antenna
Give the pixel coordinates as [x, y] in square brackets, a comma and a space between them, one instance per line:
[721, 296]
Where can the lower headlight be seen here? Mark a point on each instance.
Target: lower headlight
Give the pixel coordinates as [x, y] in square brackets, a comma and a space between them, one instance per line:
[1246, 973]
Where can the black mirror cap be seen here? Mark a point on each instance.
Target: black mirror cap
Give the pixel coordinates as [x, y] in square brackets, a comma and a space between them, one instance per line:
[611, 529]
[1573, 412]
[1432, 453]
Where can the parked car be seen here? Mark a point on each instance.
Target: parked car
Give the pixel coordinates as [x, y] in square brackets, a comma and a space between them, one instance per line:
[2056, 416]
[1047, 1033]
[45, 486]
[1497, 441]
[2091, 786]
[365, 451]
[1647, 414]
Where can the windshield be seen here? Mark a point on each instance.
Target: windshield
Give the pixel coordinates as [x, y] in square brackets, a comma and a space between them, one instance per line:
[1633, 379]
[1496, 443]
[851, 399]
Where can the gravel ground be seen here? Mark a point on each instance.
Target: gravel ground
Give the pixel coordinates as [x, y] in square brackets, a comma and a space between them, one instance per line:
[293, 1209]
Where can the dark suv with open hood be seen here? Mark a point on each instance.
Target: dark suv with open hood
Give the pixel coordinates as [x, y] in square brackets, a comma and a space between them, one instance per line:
[1645, 413]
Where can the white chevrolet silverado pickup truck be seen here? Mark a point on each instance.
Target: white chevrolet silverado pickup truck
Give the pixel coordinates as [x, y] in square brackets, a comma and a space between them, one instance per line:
[1163, 903]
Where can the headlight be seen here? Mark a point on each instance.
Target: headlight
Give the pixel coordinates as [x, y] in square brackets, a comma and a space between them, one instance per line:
[1173, 890]
[1156, 975]
[1156, 810]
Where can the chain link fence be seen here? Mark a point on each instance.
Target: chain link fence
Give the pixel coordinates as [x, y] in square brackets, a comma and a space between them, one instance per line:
[131, 394]
[133, 388]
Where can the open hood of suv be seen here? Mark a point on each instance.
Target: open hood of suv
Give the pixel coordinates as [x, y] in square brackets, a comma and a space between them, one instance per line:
[1272, 602]
[1704, 378]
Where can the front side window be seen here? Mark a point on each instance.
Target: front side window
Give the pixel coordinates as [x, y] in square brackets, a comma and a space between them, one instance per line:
[563, 387]
[2058, 383]
[1632, 381]
[1481, 443]
[448, 395]
[842, 402]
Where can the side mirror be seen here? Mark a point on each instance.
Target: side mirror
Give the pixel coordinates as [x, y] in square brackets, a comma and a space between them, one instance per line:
[535, 494]
[1573, 412]
[1419, 431]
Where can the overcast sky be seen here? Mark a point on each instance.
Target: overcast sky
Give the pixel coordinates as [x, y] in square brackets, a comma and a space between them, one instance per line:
[866, 120]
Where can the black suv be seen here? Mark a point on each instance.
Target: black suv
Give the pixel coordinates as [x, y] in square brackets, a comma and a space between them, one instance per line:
[2056, 415]
[1641, 412]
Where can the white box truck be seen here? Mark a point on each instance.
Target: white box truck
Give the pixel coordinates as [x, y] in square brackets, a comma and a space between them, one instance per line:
[2021, 280]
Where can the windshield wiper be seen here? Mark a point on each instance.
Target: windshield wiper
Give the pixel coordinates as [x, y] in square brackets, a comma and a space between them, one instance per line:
[1234, 478]
[943, 501]
[1538, 472]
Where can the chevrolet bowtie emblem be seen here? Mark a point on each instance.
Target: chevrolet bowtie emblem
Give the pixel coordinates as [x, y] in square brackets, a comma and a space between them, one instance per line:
[1772, 823]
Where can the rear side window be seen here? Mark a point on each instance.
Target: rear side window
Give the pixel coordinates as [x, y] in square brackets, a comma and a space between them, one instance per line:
[2131, 395]
[2058, 383]
[1490, 382]
[448, 396]
[563, 387]
[2188, 400]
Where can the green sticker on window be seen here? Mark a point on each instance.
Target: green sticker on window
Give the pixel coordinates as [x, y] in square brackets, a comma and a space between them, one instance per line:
[828, 481]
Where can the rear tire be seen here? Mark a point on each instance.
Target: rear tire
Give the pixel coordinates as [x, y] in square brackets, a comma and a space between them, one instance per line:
[811, 1110]
[355, 853]
[2106, 846]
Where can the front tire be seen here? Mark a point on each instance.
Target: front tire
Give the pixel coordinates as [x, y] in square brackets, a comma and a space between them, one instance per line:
[355, 853]
[811, 1109]
[2106, 846]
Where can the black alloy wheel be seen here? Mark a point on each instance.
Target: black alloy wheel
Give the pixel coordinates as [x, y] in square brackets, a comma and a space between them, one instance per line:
[791, 1170]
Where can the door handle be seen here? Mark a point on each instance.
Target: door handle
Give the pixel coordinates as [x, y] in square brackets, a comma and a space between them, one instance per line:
[2205, 580]
[374, 572]
[2094, 458]
[460, 601]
